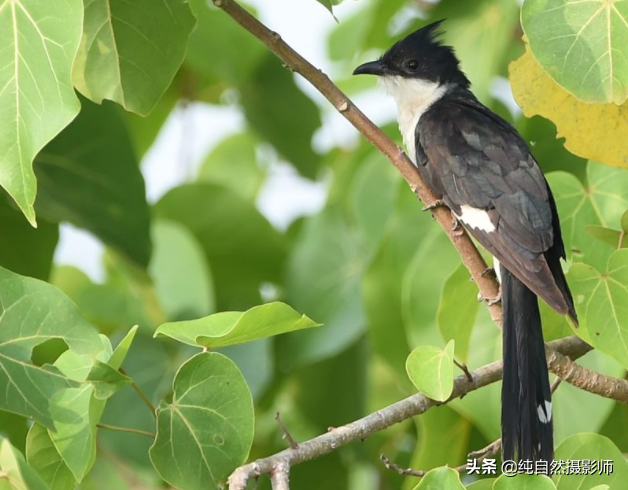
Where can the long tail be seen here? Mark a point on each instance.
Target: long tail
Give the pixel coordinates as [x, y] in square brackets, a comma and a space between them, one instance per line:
[526, 397]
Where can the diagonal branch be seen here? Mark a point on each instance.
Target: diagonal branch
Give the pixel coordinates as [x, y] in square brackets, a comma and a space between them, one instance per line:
[471, 258]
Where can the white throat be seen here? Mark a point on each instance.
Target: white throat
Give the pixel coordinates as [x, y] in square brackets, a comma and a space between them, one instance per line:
[413, 98]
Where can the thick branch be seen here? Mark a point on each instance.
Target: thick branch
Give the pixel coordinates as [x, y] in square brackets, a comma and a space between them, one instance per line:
[471, 258]
[585, 379]
[416, 404]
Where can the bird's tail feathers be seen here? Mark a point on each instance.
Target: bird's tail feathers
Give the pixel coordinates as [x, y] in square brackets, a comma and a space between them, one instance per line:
[527, 431]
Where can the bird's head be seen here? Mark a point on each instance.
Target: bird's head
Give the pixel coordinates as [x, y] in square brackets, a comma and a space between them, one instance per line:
[418, 60]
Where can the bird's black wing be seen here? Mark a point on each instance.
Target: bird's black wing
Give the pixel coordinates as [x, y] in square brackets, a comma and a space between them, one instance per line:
[471, 157]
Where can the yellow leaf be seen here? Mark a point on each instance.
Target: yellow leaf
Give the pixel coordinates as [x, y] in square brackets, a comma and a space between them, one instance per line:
[593, 131]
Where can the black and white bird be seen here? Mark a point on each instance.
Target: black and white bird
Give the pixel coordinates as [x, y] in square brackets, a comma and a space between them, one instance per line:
[482, 169]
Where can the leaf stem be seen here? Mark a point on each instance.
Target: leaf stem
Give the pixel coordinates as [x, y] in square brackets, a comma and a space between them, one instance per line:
[126, 429]
[141, 394]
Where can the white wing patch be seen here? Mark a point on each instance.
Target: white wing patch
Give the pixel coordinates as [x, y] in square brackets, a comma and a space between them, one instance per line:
[545, 412]
[498, 271]
[476, 218]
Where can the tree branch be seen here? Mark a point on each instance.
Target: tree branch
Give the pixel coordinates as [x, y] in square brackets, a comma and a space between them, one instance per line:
[471, 258]
[380, 420]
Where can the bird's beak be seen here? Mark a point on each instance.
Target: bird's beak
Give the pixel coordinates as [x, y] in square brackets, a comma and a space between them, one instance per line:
[371, 68]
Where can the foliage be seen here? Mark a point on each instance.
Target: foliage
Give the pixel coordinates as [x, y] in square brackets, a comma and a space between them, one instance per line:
[219, 319]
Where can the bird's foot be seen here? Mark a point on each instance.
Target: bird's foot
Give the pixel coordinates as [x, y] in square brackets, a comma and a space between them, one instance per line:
[456, 229]
[436, 204]
[489, 271]
[491, 301]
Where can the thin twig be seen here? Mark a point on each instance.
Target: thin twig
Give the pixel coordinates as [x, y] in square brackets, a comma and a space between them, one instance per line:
[141, 394]
[463, 367]
[286, 434]
[399, 470]
[126, 429]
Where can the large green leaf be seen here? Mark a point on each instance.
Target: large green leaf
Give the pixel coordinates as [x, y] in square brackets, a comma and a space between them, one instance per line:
[523, 482]
[89, 176]
[44, 457]
[242, 248]
[271, 101]
[458, 309]
[323, 281]
[602, 202]
[441, 478]
[180, 272]
[594, 448]
[583, 45]
[382, 281]
[234, 164]
[207, 430]
[33, 312]
[39, 41]
[16, 474]
[234, 52]
[432, 370]
[77, 410]
[602, 304]
[481, 33]
[130, 51]
[234, 327]
[24, 249]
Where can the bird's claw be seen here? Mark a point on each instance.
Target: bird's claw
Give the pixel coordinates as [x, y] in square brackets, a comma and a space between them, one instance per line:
[490, 301]
[436, 204]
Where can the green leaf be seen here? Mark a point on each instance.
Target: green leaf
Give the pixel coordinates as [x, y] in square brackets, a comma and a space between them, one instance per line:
[431, 370]
[582, 45]
[624, 222]
[323, 281]
[458, 309]
[601, 203]
[43, 456]
[26, 388]
[96, 185]
[122, 349]
[382, 282]
[602, 305]
[180, 272]
[33, 256]
[372, 196]
[442, 479]
[481, 33]
[106, 380]
[242, 248]
[15, 472]
[207, 430]
[604, 235]
[592, 447]
[524, 482]
[235, 53]
[39, 41]
[130, 51]
[234, 327]
[269, 98]
[233, 163]
[74, 435]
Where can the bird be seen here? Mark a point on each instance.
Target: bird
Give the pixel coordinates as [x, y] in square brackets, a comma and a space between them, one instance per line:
[480, 167]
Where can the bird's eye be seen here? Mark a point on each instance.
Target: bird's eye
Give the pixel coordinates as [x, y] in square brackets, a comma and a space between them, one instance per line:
[412, 65]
